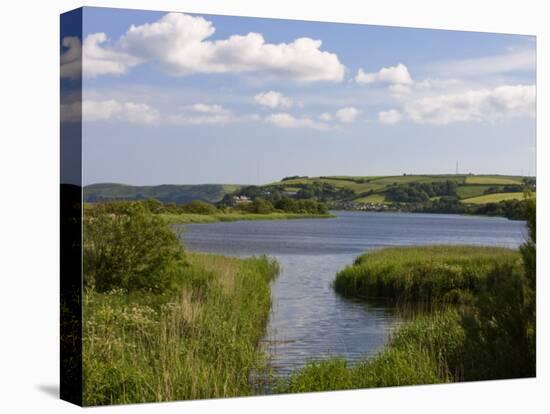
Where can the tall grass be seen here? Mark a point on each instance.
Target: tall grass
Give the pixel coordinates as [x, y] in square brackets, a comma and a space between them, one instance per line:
[442, 274]
[491, 335]
[423, 351]
[190, 218]
[202, 342]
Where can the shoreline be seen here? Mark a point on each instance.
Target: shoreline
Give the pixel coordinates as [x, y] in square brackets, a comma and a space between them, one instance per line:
[189, 218]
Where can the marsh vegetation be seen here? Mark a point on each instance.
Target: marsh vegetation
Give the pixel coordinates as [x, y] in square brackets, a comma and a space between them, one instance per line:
[163, 324]
[477, 319]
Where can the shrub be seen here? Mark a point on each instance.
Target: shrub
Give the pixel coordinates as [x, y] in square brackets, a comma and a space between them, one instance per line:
[501, 331]
[198, 207]
[128, 247]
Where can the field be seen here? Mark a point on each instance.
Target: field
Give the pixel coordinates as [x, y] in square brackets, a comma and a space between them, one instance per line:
[469, 191]
[494, 198]
[493, 179]
[371, 189]
[373, 198]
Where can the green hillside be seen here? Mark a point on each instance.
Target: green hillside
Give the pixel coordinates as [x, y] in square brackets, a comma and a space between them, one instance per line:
[439, 193]
[371, 189]
[179, 194]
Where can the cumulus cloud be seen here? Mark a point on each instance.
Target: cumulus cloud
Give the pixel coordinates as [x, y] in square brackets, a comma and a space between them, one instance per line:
[389, 117]
[179, 44]
[286, 120]
[397, 75]
[107, 110]
[273, 100]
[347, 115]
[99, 60]
[473, 105]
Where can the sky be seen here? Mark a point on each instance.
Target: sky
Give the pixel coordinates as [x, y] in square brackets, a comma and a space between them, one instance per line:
[174, 98]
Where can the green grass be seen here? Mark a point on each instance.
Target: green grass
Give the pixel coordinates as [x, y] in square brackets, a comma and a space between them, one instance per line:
[494, 198]
[469, 186]
[199, 342]
[423, 351]
[493, 180]
[339, 183]
[372, 198]
[445, 274]
[403, 179]
[468, 191]
[492, 337]
[189, 218]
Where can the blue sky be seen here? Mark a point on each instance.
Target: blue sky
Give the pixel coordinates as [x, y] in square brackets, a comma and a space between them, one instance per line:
[175, 98]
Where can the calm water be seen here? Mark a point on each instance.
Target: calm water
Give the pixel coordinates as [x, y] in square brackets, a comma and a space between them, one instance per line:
[309, 320]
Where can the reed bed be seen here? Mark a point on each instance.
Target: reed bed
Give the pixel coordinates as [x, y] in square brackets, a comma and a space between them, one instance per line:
[199, 342]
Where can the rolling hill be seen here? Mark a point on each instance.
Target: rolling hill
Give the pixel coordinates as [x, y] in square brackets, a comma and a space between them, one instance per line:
[179, 194]
[367, 190]
[469, 188]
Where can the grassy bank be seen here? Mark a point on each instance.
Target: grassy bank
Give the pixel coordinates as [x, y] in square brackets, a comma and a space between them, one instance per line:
[412, 357]
[198, 342]
[162, 324]
[448, 274]
[482, 324]
[188, 218]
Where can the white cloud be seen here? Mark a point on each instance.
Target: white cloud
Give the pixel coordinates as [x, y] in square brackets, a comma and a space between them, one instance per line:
[108, 110]
[178, 44]
[347, 115]
[98, 60]
[390, 117]
[519, 60]
[273, 100]
[393, 75]
[207, 114]
[325, 116]
[286, 120]
[203, 114]
[71, 59]
[209, 119]
[207, 109]
[474, 105]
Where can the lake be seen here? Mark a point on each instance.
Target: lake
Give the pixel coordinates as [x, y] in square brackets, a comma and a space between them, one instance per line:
[311, 321]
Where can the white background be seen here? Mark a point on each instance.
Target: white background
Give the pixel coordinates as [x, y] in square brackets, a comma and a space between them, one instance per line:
[29, 236]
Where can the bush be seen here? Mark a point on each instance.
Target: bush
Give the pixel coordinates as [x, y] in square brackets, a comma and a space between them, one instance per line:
[128, 247]
[501, 331]
[198, 207]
